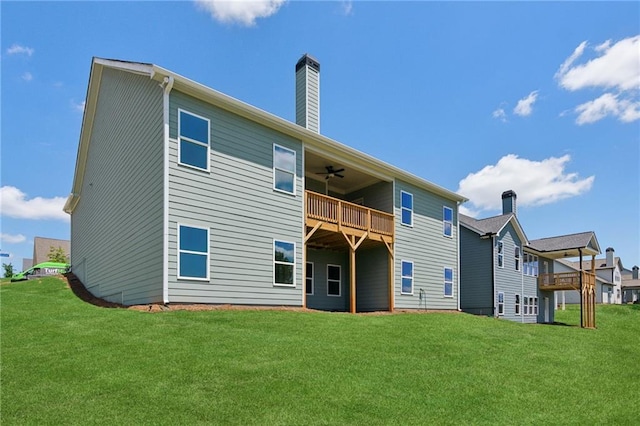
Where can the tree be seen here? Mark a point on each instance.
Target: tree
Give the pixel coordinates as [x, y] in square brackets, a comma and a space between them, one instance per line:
[8, 270]
[57, 254]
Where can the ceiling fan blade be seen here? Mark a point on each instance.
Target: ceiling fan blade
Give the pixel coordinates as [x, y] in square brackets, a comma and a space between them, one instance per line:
[340, 176]
[338, 171]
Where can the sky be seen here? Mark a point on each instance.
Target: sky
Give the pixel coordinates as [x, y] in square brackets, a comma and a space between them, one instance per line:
[542, 98]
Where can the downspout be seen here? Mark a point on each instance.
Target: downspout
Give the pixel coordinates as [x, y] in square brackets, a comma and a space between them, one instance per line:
[493, 274]
[581, 298]
[167, 86]
[458, 247]
[522, 257]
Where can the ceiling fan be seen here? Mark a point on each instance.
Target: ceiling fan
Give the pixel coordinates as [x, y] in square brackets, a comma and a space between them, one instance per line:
[331, 172]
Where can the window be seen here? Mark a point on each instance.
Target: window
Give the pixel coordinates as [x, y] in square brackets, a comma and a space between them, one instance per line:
[500, 254]
[193, 146]
[334, 280]
[447, 221]
[193, 253]
[526, 305]
[406, 202]
[284, 169]
[500, 303]
[534, 308]
[530, 264]
[448, 282]
[309, 278]
[517, 257]
[284, 256]
[517, 305]
[407, 277]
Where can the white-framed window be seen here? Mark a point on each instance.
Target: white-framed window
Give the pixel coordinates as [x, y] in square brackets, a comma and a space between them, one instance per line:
[447, 221]
[193, 140]
[517, 305]
[517, 257]
[500, 303]
[500, 254]
[284, 169]
[406, 207]
[284, 261]
[535, 305]
[530, 264]
[334, 280]
[193, 253]
[407, 277]
[309, 278]
[525, 305]
[448, 282]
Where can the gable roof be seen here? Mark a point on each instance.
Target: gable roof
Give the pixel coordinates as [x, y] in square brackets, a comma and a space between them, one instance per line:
[168, 79]
[568, 245]
[600, 263]
[493, 225]
[573, 266]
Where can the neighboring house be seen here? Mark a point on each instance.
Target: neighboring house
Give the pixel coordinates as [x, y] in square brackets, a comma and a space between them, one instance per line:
[605, 290]
[182, 194]
[503, 274]
[42, 247]
[631, 286]
[609, 269]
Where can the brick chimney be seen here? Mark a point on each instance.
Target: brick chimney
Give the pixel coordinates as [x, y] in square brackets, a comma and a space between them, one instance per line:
[308, 93]
[610, 252]
[509, 202]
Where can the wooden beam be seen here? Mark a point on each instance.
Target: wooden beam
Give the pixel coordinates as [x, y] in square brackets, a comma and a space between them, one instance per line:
[313, 231]
[389, 247]
[390, 275]
[352, 277]
[362, 238]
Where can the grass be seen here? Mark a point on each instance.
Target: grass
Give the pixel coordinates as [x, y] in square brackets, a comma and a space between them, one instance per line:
[64, 361]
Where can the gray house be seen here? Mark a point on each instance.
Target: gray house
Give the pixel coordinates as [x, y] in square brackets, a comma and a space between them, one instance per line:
[182, 194]
[604, 289]
[503, 274]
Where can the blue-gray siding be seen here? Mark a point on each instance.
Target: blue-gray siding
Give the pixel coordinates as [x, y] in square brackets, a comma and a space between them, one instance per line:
[117, 225]
[430, 251]
[320, 300]
[372, 279]
[476, 273]
[378, 196]
[238, 204]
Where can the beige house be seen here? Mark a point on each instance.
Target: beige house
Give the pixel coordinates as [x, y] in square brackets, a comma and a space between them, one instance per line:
[41, 247]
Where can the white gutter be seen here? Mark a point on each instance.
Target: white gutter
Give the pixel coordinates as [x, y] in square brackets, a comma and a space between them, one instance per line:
[522, 256]
[493, 273]
[167, 86]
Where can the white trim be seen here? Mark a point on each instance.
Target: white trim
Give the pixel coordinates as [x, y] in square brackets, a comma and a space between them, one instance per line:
[404, 208]
[178, 251]
[339, 280]
[517, 305]
[444, 287]
[313, 278]
[273, 254]
[517, 258]
[165, 190]
[197, 142]
[444, 222]
[458, 252]
[303, 229]
[274, 168]
[402, 277]
[498, 303]
[500, 253]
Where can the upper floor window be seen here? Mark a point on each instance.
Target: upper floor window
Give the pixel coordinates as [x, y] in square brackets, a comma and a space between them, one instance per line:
[407, 277]
[530, 264]
[193, 253]
[448, 282]
[517, 257]
[500, 254]
[193, 145]
[406, 204]
[284, 169]
[447, 221]
[284, 256]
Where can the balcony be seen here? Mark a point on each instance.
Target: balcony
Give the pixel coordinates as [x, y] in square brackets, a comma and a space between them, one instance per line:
[338, 216]
[565, 281]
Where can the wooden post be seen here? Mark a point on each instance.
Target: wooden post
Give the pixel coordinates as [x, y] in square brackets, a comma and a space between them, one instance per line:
[581, 293]
[390, 278]
[352, 276]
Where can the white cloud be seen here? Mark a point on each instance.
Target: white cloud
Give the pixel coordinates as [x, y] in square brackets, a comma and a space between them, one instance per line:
[535, 182]
[27, 76]
[15, 204]
[244, 12]
[608, 105]
[12, 239]
[347, 7]
[525, 105]
[17, 49]
[500, 114]
[615, 70]
[78, 106]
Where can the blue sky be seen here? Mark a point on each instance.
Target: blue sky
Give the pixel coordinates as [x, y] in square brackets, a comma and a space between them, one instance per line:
[542, 98]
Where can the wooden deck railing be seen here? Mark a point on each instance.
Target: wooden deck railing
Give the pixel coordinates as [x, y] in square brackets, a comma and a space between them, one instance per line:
[343, 213]
[566, 280]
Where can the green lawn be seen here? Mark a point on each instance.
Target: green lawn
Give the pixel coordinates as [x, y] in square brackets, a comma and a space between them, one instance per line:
[64, 361]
